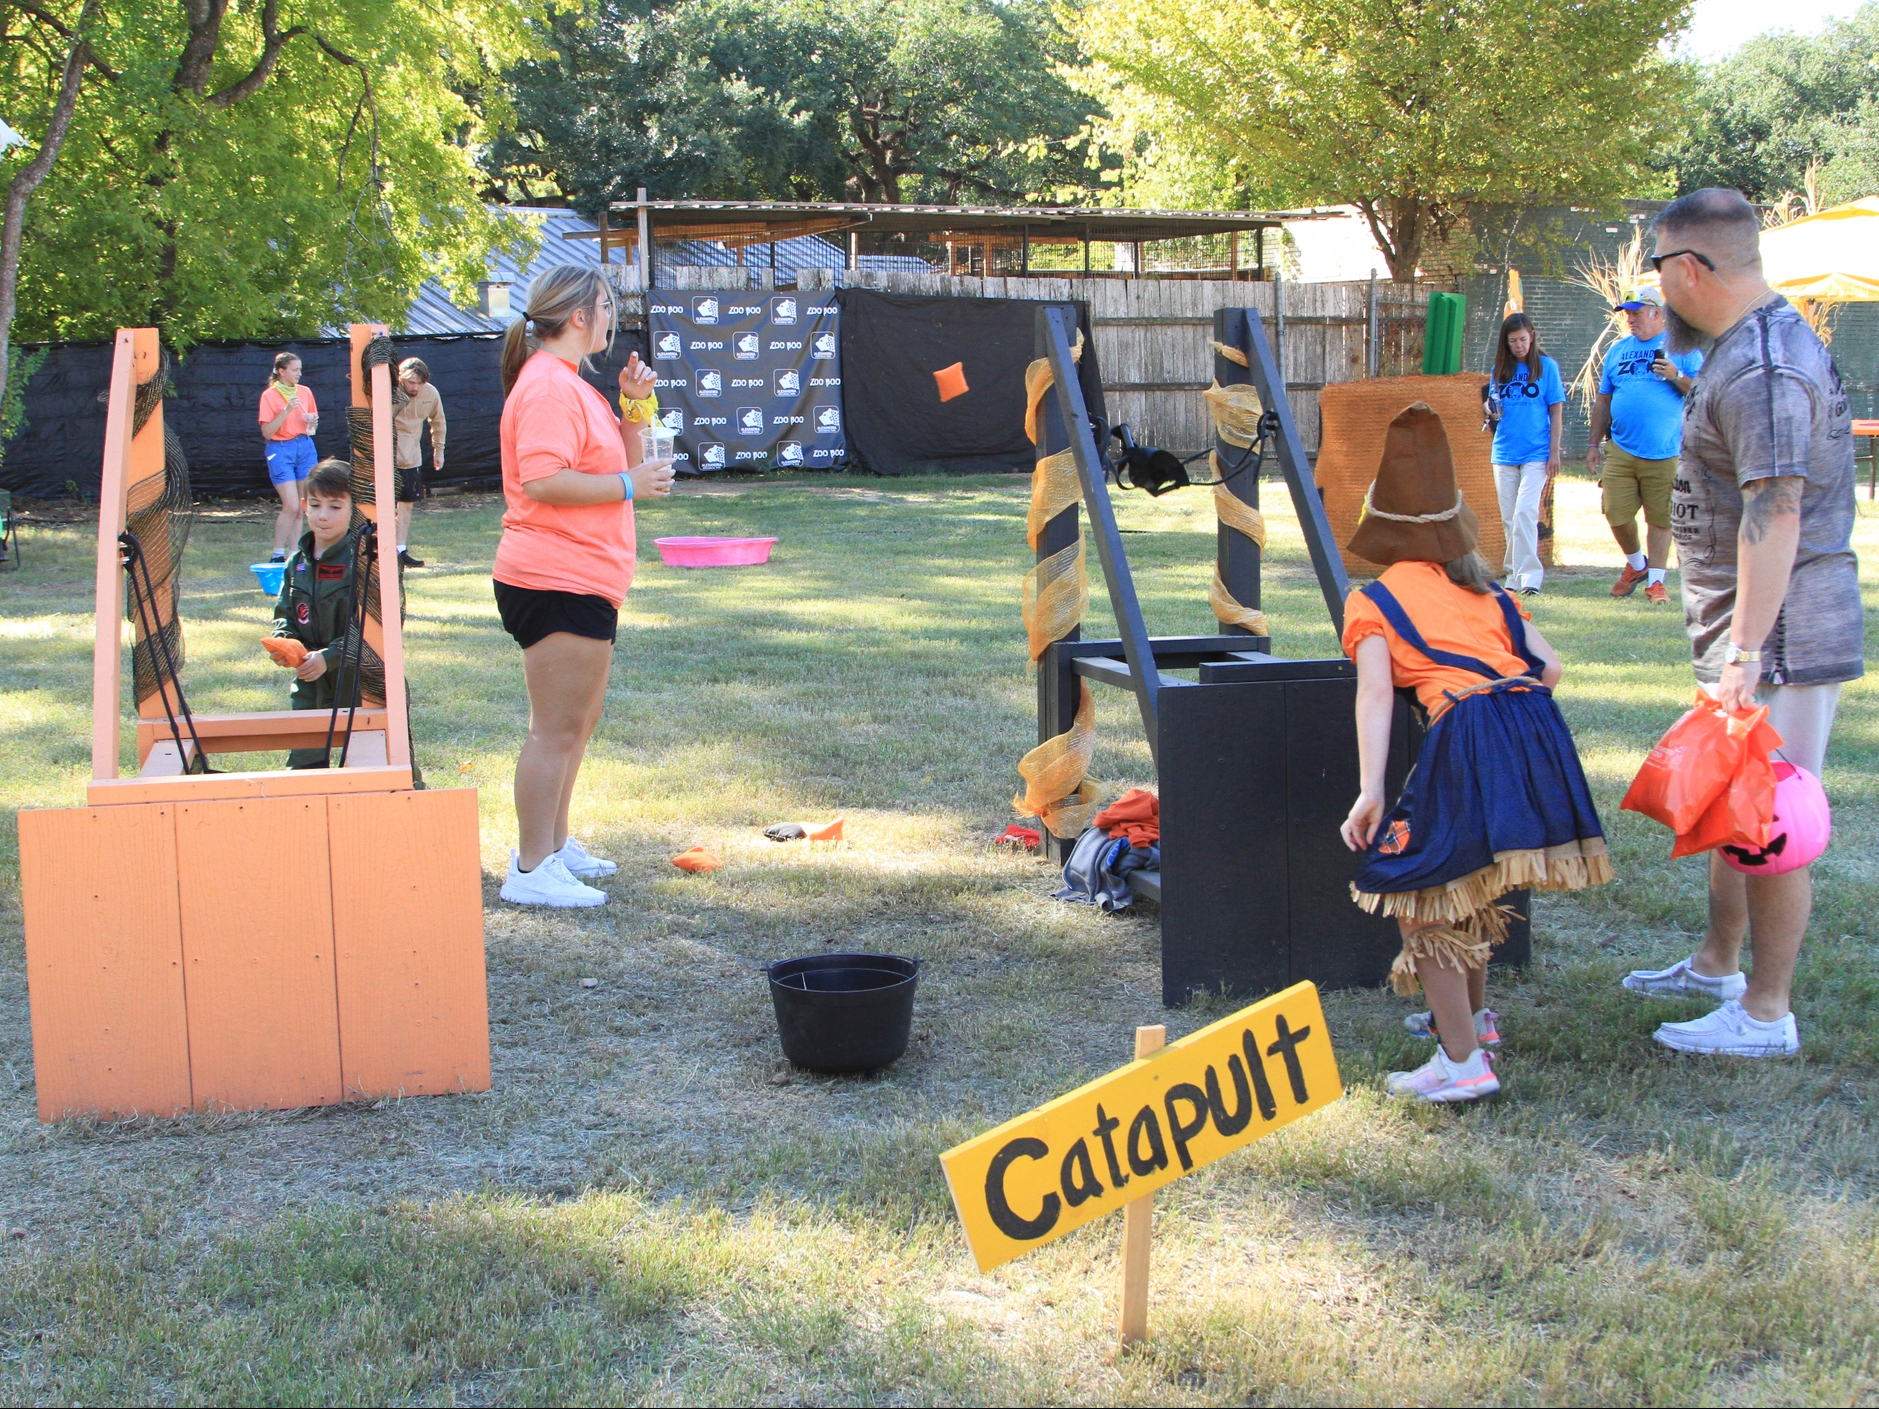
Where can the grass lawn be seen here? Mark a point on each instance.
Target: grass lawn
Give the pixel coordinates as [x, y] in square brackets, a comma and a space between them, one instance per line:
[650, 1206]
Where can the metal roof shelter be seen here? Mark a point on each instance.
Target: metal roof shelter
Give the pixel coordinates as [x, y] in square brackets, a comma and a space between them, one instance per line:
[627, 225]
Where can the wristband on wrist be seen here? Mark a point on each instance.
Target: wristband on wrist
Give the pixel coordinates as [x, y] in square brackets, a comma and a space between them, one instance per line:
[626, 481]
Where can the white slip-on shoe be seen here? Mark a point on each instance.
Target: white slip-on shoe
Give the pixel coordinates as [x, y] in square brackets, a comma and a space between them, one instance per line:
[581, 862]
[1486, 1029]
[548, 884]
[1443, 1082]
[1681, 980]
[1731, 1032]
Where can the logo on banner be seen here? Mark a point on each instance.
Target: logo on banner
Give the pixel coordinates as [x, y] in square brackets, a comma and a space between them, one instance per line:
[789, 452]
[711, 455]
[788, 382]
[823, 349]
[673, 420]
[828, 420]
[666, 345]
[745, 346]
[710, 382]
[783, 312]
[704, 310]
[750, 420]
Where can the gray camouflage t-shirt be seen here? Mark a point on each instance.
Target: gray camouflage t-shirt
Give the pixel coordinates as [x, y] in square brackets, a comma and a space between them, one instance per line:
[1769, 402]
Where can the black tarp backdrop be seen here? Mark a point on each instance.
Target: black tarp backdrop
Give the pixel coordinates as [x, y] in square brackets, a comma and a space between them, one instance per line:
[218, 390]
[892, 344]
[749, 380]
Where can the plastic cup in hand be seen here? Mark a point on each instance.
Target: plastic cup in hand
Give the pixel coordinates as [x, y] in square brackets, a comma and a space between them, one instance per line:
[655, 443]
[313, 422]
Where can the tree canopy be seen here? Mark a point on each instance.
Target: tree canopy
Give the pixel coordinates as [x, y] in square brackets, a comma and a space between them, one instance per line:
[1782, 101]
[877, 100]
[1411, 110]
[256, 170]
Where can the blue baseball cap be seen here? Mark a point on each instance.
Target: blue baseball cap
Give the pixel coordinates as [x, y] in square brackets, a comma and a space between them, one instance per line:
[1643, 298]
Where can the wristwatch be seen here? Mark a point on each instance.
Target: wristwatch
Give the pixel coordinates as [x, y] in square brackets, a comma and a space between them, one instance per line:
[1734, 654]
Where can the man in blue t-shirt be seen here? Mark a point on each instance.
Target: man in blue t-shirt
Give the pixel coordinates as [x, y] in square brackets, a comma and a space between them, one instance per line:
[1640, 403]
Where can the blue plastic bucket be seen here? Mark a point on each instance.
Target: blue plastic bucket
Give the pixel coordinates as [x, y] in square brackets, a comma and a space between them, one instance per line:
[269, 576]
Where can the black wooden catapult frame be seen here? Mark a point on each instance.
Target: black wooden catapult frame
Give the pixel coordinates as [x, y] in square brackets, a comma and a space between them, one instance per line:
[1256, 758]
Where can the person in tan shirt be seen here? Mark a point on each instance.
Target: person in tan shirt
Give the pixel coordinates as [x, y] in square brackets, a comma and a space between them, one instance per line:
[407, 429]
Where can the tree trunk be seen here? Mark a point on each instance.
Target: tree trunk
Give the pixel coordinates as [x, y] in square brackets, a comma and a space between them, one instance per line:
[20, 191]
[1398, 224]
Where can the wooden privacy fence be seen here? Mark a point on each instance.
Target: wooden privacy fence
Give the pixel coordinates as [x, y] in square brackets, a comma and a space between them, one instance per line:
[1154, 336]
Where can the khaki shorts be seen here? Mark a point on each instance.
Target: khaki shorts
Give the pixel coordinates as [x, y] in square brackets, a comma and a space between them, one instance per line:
[1629, 484]
[1803, 716]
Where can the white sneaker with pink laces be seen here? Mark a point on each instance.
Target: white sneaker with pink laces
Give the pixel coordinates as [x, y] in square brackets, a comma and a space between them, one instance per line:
[1443, 1082]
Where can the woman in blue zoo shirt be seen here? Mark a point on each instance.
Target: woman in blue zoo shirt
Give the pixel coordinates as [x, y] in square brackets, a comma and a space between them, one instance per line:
[1527, 390]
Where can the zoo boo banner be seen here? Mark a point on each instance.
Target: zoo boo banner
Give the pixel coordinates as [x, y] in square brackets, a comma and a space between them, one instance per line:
[749, 380]
[1144, 1125]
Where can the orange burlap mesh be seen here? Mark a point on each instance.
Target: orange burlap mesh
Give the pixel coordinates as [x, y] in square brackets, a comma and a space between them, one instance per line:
[1236, 412]
[1355, 416]
[1058, 789]
[1232, 354]
[1056, 595]
[1231, 613]
[1038, 379]
[1237, 514]
[1054, 488]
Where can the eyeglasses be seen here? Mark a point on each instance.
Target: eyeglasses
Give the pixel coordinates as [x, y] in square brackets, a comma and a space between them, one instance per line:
[1657, 260]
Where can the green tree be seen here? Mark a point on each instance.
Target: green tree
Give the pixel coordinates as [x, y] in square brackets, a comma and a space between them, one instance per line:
[1785, 100]
[798, 99]
[261, 169]
[1410, 110]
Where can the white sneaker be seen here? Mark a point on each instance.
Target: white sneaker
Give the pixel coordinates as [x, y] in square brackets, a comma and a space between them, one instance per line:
[1443, 1082]
[548, 884]
[1486, 1029]
[581, 862]
[1681, 980]
[1731, 1032]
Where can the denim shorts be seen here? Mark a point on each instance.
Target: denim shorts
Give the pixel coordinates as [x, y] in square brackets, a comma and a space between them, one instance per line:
[290, 461]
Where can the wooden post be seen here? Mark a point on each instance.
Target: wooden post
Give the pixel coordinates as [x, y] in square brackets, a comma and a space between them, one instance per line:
[1233, 256]
[390, 598]
[107, 657]
[645, 243]
[1138, 1228]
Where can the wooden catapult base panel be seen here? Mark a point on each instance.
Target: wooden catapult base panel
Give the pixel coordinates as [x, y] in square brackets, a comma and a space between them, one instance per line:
[248, 941]
[254, 953]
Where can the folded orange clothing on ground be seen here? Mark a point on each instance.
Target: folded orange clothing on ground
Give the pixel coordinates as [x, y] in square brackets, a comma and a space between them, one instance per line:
[832, 832]
[285, 650]
[696, 859]
[1135, 815]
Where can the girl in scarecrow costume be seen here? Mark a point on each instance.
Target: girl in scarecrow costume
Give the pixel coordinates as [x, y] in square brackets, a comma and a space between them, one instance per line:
[1497, 799]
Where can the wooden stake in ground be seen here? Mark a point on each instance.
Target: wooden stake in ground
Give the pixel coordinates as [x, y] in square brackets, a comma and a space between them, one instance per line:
[1138, 1227]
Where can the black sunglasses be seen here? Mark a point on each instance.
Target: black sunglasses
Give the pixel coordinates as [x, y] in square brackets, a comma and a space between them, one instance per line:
[1657, 260]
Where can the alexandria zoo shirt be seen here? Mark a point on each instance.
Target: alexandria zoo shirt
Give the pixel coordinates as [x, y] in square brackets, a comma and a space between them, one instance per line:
[1770, 403]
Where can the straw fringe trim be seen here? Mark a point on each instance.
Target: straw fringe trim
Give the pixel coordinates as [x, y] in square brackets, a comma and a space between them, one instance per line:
[1574, 865]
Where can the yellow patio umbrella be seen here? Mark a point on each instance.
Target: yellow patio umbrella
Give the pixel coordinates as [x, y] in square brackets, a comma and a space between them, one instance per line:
[1832, 256]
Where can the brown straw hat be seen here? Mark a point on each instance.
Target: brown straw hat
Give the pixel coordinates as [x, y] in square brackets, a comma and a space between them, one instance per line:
[1414, 510]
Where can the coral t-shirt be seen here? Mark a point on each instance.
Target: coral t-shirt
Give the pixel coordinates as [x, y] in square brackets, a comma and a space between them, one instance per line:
[1450, 618]
[273, 403]
[554, 421]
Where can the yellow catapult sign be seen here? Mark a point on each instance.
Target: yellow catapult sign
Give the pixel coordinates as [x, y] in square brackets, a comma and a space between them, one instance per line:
[1127, 1134]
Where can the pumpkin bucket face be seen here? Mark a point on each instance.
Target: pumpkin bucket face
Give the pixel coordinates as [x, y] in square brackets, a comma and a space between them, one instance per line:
[1802, 827]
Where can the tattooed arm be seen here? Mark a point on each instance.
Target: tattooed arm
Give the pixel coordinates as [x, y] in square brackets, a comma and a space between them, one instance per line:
[1771, 532]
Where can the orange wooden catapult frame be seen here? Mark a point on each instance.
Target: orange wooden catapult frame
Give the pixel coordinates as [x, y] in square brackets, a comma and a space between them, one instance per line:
[255, 940]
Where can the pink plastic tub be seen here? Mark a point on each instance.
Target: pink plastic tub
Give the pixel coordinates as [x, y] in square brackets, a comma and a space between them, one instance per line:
[713, 552]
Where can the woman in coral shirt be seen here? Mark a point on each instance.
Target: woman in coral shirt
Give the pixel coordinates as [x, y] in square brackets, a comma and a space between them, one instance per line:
[570, 470]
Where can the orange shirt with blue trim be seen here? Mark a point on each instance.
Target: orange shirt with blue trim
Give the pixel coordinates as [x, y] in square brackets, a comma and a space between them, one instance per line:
[1450, 618]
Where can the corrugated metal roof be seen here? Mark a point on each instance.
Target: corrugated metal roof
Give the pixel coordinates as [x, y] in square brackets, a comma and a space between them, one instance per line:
[432, 314]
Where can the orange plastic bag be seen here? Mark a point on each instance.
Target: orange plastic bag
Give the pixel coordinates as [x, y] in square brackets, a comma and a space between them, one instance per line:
[1743, 811]
[1692, 764]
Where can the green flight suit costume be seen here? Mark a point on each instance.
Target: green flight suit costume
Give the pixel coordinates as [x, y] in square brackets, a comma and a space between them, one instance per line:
[312, 609]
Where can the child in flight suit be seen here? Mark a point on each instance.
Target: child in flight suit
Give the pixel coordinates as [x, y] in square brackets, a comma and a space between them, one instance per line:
[312, 611]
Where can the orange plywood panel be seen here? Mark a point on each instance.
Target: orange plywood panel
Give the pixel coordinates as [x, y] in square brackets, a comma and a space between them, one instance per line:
[408, 932]
[257, 923]
[104, 961]
[285, 783]
[256, 733]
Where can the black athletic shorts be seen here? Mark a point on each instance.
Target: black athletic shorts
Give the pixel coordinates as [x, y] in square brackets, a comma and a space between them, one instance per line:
[530, 613]
[410, 483]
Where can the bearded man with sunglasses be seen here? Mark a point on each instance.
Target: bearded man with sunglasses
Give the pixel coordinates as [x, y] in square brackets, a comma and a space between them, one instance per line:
[1762, 513]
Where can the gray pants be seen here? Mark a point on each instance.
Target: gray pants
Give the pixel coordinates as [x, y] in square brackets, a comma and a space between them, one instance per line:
[1803, 716]
[1519, 488]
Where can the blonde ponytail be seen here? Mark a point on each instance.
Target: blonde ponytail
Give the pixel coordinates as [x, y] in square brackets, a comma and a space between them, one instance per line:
[553, 299]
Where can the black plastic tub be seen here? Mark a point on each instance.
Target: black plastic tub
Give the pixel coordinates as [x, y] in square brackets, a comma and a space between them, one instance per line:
[844, 1012]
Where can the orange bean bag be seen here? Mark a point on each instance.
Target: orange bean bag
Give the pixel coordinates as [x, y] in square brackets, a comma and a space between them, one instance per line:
[952, 381]
[286, 651]
[832, 832]
[696, 859]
